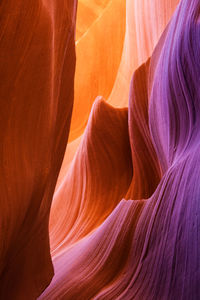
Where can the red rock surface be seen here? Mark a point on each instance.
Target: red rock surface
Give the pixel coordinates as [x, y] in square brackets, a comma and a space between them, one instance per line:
[37, 62]
[118, 210]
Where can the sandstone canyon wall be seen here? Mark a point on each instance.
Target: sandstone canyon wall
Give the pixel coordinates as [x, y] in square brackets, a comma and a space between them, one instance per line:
[37, 63]
[123, 197]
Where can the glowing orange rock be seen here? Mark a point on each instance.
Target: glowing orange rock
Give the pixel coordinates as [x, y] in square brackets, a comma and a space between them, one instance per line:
[98, 53]
[145, 22]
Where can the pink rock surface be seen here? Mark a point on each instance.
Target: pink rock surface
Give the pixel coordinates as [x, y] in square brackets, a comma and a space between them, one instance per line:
[147, 247]
[125, 214]
[97, 179]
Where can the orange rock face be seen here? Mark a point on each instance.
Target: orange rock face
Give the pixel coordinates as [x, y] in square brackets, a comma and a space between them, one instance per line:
[100, 173]
[98, 48]
[37, 63]
[113, 213]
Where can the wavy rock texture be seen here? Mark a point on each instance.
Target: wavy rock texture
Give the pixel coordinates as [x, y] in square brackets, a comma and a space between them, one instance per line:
[125, 216]
[146, 248]
[145, 21]
[147, 173]
[99, 51]
[96, 180]
[37, 62]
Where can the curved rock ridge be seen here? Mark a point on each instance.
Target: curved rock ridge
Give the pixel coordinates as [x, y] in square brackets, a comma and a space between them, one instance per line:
[113, 39]
[145, 22]
[148, 248]
[147, 173]
[124, 221]
[102, 256]
[98, 53]
[97, 179]
[37, 62]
